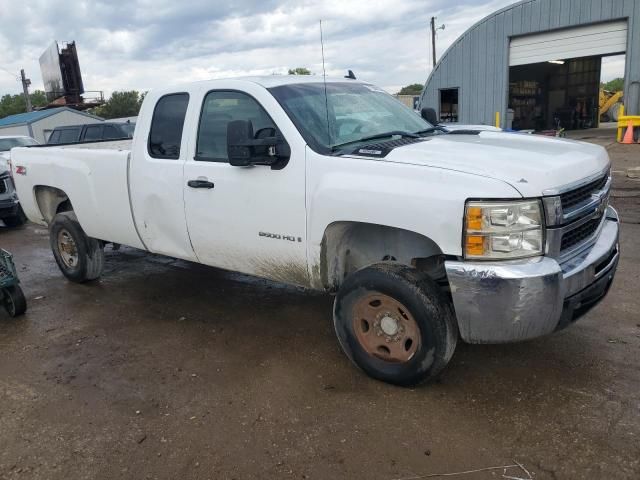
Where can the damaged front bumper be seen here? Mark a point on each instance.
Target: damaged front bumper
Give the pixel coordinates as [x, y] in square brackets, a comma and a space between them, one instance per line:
[510, 301]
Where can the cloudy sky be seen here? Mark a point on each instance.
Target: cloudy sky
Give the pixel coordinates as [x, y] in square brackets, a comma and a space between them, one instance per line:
[141, 44]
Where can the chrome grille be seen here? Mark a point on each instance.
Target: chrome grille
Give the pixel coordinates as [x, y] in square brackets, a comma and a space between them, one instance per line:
[574, 215]
[581, 194]
[579, 234]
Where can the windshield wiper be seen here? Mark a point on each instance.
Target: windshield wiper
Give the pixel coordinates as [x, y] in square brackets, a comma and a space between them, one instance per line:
[400, 133]
[431, 129]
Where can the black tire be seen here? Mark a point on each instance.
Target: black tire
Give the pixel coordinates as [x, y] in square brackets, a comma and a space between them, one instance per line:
[17, 220]
[425, 302]
[90, 253]
[13, 300]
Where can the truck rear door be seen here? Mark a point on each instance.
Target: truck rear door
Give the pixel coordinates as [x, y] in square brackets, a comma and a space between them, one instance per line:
[247, 219]
[156, 176]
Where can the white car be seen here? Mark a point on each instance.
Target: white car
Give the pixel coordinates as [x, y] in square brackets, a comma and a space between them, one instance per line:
[10, 211]
[425, 237]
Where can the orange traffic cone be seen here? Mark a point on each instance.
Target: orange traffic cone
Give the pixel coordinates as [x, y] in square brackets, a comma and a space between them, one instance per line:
[628, 135]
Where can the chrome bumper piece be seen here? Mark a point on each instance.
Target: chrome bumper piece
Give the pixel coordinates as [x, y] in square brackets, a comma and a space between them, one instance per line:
[499, 302]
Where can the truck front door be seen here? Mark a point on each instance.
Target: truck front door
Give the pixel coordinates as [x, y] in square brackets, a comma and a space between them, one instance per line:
[247, 219]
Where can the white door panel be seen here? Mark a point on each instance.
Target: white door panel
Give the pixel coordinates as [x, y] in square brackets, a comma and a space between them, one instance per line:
[253, 220]
[157, 194]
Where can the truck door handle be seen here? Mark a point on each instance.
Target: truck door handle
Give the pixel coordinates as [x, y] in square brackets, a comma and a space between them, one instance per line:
[200, 184]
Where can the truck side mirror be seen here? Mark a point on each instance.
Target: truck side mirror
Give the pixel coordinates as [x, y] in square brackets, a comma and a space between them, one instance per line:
[239, 132]
[429, 114]
[243, 149]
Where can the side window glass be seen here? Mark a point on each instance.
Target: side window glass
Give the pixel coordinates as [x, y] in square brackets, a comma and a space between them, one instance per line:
[69, 135]
[111, 133]
[218, 109]
[55, 137]
[166, 126]
[93, 133]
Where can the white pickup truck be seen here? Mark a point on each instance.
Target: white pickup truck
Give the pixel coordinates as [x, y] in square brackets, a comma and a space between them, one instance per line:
[425, 236]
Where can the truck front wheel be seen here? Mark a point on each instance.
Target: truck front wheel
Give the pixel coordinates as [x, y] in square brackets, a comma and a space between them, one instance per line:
[79, 257]
[395, 324]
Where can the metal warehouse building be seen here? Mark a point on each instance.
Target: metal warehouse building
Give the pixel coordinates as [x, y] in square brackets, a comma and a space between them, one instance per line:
[541, 59]
[38, 124]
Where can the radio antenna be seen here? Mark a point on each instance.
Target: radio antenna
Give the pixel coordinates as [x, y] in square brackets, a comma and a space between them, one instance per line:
[324, 79]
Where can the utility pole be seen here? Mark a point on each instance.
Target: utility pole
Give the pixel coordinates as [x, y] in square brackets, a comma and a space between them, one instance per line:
[25, 88]
[433, 37]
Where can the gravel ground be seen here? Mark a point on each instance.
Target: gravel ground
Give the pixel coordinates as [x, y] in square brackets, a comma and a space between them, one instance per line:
[166, 369]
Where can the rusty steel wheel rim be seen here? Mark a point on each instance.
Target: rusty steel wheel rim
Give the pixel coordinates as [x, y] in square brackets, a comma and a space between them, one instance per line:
[385, 328]
[67, 248]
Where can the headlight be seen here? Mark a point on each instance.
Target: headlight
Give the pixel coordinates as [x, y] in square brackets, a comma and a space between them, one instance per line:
[503, 230]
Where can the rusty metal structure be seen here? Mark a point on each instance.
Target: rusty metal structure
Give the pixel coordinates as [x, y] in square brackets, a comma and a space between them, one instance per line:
[63, 79]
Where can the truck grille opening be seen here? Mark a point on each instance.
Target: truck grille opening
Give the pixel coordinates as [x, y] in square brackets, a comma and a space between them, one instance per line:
[3, 185]
[579, 195]
[579, 234]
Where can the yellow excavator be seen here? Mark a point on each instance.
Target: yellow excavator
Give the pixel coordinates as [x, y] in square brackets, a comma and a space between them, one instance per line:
[610, 103]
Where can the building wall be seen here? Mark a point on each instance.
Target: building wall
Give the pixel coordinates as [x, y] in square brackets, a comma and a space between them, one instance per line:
[478, 62]
[42, 128]
[15, 130]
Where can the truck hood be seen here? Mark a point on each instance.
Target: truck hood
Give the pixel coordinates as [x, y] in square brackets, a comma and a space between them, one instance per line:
[529, 163]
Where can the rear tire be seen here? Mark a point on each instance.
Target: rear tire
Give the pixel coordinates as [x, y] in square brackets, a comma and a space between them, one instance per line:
[395, 323]
[14, 302]
[79, 257]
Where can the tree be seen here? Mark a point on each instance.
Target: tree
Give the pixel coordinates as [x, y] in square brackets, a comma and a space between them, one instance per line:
[121, 104]
[413, 89]
[299, 71]
[614, 85]
[12, 104]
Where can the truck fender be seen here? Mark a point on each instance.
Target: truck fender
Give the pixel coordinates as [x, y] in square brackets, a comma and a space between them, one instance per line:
[51, 201]
[350, 246]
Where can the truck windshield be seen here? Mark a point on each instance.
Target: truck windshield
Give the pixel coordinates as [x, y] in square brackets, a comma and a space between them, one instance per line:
[7, 144]
[350, 113]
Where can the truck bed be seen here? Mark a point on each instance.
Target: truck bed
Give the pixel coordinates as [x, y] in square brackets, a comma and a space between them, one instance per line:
[95, 178]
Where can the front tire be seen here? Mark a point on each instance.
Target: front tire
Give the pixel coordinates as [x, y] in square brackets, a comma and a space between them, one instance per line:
[79, 257]
[395, 324]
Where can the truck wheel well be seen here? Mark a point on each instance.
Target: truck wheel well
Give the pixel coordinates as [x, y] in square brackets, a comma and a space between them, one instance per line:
[350, 246]
[51, 201]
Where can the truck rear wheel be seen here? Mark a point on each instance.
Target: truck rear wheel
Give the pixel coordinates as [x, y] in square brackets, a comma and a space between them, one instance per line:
[395, 324]
[79, 257]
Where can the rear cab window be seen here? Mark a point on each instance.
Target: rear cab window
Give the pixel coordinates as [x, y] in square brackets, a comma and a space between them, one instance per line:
[69, 135]
[93, 132]
[165, 134]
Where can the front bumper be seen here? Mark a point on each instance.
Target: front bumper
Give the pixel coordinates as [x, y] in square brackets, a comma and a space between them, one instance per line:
[8, 207]
[500, 302]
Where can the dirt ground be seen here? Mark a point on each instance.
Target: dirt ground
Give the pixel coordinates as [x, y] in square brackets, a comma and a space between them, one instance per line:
[170, 370]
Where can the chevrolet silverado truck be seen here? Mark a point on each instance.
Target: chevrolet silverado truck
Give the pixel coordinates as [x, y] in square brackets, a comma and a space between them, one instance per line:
[425, 237]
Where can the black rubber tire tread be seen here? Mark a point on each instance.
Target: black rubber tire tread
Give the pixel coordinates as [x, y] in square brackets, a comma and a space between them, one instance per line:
[90, 250]
[429, 306]
[14, 301]
[17, 220]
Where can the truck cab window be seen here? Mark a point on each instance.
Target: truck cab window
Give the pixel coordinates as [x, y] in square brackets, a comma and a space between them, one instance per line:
[166, 126]
[69, 135]
[93, 132]
[218, 109]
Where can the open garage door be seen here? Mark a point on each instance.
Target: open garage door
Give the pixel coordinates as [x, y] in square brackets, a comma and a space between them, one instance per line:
[602, 39]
